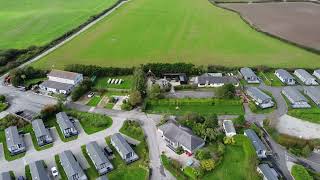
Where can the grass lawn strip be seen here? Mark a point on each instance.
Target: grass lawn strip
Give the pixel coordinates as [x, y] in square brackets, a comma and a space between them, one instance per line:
[270, 79]
[94, 101]
[3, 106]
[61, 171]
[300, 173]
[91, 172]
[133, 130]
[102, 83]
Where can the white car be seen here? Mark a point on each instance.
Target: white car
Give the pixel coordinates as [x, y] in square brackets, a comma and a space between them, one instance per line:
[54, 172]
[91, 94]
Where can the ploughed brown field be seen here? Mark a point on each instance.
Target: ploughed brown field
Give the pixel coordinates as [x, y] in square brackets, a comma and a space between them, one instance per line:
[298, 22]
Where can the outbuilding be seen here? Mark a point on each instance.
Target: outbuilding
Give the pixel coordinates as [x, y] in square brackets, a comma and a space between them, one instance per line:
[229, 128]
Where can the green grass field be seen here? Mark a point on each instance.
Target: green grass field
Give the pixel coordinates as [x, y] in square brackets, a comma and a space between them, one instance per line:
[270, 79]
[37, 22]
[102, 83]
[94, 101]
[144, 31]
[201, 106]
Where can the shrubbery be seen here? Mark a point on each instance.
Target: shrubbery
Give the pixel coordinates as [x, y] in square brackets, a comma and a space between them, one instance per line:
[227, 91]
[300, 173]
[49, 111]
[81, 89]
[93, 70]
[19, 76]
[11, 120]
[202, 154]
[133, 129]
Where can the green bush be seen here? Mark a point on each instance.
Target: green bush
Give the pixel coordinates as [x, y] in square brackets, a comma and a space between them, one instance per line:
[126, 106]
[300, 173]
[27, 172]
[49, 111]
[11, 120]
[81, 89]
[2, 98]
[202, 154]
[133, 129]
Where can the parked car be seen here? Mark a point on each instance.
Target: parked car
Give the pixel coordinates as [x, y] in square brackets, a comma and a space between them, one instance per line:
[20, 178]
[91, 94]
[108, 151]
[54, 172]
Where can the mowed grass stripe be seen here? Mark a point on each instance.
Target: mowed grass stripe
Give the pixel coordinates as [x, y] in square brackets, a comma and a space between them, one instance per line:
[144, 31]
[37, 22]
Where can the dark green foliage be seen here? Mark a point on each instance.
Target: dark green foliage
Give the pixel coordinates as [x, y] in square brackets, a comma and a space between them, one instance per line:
[160, 68]
[135, 98]
[49, 111]
[19, 76]
[155, 92]
[126, 106]
[2, 98]
[11, 120]
[27, 172]
[227, 91]
[133, 129]
[139, 81]
[300, 173]
[240, 121]
[92, 70]
[202, 154]
[219, 68]
[81, 89]
[179, 150]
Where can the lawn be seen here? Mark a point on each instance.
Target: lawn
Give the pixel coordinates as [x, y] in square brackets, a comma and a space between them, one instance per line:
[94, 101]
[270, 79]
[132, 129]
[239, 162]
[143, 31]
[300, 173]
[201, 106]
[37, 22]
[3, 106]
[90, 122]
[102, 83]
[60, 168]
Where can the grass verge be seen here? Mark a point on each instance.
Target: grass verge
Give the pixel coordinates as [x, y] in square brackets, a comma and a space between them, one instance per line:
[61, 171]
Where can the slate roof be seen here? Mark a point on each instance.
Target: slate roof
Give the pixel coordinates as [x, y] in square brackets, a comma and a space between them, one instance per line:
[314, 91]
[12, 136]
[102, 178]
[257, 93]
[5, 176]
[228, 125]
[64, 121]
[317, 71]
[203, 79]
[268, 172]
[56, 85]
[294, 94]
[96, 153]
[182, 135]
[121, 143]
[257, 143]
[63, 74]
[38, 171]
[247, 72]
[284, 74]
[70, 165]
[39, 128]
[304, 74]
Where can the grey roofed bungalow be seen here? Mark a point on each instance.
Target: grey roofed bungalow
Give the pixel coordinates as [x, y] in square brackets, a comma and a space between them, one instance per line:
[71, 166]
[256, 142]
[296, 99]
[267, 172]
[285, 76]
[123, 148]
[98, 158]
[249, 75]
[5, 176]
[314, 93]
[38, 171]
[14, 141]
[260, 98]
[42, 134]
[67, 127]
[209, 80]
[305, 77]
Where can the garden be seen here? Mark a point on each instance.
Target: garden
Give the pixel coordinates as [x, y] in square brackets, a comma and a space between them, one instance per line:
[102, 83]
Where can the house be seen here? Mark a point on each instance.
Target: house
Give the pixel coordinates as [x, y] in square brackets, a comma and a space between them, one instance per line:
[305, 77]
[66, 126]
[98, 158]
[249, 75]
[61, 81]
[123, 148]
[5, 176]
[296, 99]
[267, 172]
[211, 80]
[71, 166]
[314, 93]
[38, 171]
[316, 73]
[14, 141]
[259, 97]
[42, 134]
[180, 78]
[260, 148]
[229, 128]
[285, 76]
[177, 136]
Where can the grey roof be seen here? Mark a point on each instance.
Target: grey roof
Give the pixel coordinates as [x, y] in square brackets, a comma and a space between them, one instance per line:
[39, 128]
[304, 74]
[102, 178]
[268, 172]
[70, 165]
[5, 176]
[182, 135]
[121, 143]
[285, 74]
[38, 171]
[314, 91]
[96, 153]
[294, 94]
[64, 121]
[56, 85]
[317, 71]
[12, 136]
[228, 126]
[203, 79]
[257, 143]
[63, 74]
[247, 72]
[257, 93]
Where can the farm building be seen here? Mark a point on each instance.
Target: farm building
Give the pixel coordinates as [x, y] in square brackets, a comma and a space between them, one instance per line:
[123, 148]
[209, 80]
[38, 171]
[229, 128]
[305, 77]
[296, 99]
[180, 78]
[66, 126]
[259, 97]
[314, 93]
[285, 76]
[99, 159]
[5, 176]
[267, 172]
[176, 136]
[15, 143]
[61, 82]
[71, 166]
[42, 134]
[260, 148]
[249, 75]
[316, 73]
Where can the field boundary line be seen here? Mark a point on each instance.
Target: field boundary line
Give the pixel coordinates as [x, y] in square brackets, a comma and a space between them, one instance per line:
[61, 43]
